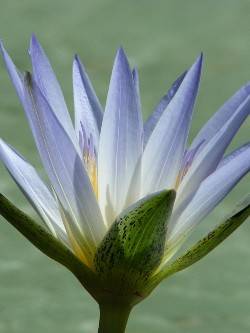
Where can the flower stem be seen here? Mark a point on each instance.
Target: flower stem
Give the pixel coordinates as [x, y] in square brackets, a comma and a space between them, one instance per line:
[113, 317]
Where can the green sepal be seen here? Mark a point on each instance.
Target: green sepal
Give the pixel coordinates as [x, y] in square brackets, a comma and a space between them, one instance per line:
[47, 243]
[134, 246]
[208, 243]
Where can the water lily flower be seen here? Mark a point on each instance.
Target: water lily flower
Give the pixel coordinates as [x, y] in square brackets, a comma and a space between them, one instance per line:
[123, 195]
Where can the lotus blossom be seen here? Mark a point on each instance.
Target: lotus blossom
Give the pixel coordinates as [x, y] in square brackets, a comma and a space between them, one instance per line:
[109, 164]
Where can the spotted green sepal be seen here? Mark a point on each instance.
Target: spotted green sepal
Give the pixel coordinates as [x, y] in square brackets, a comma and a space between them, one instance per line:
[209, 242]
[134, 246]
[47, 243]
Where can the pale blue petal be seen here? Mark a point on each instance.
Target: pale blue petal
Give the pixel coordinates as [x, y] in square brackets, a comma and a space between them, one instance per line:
[47, 82]
[85, 96]
[160, 108]
[209, 157]
[211, 191]
[121, 137]
[232, 155]
[88, 110]
[163, 154]
[34, 189]
[14, 74]
[220, 117]
[63, 165]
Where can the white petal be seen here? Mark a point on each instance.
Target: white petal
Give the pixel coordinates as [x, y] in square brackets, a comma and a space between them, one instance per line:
[120, 139]
[88, 110]
[163, 154]
[217, 121]
[48, 84]
[34, 189]
[160, 108]
[211, 191]
[209, 157]
[64, 168]
[14, 74]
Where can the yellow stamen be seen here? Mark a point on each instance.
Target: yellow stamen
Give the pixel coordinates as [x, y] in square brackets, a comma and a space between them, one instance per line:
[181, 175]
[90, 164]
[78, 251]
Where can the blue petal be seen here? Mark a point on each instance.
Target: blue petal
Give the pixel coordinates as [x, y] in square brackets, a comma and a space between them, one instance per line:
[211, 192]
[63, 165]
[232, 155]
[211, 154]
[88, 110]
[163, 154]
[160, 108]
[14, 74]
[47, 82]
[217, 121]
[34, 189]
[121, 137]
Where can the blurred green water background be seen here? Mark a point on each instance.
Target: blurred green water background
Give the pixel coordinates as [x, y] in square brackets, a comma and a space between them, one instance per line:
[162, 38]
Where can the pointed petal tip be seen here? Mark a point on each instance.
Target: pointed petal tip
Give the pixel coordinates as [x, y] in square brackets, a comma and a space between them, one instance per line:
[121, 50]
[76, 57]
[199, 60]
[2, 49]
[196, 67]
[33, 39]
[1, 45]
[121, 63]
[34, 44]
[77, 61]
[121, 55]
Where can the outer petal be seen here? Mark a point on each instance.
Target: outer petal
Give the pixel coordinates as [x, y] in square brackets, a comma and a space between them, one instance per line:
[220, 117]
[134, 245]
[34, 189]
[120, 139]
[164, 151]
[208, 159]
[160, 108]
[64, 166]
[199, 250]
[45, 242]
[47, 79]
[88, 110]
[232, 155]
[14, 74]
[49, 86]
[212, 190]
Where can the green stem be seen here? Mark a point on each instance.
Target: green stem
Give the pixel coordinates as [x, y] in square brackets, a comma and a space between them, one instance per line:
[113, 318]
